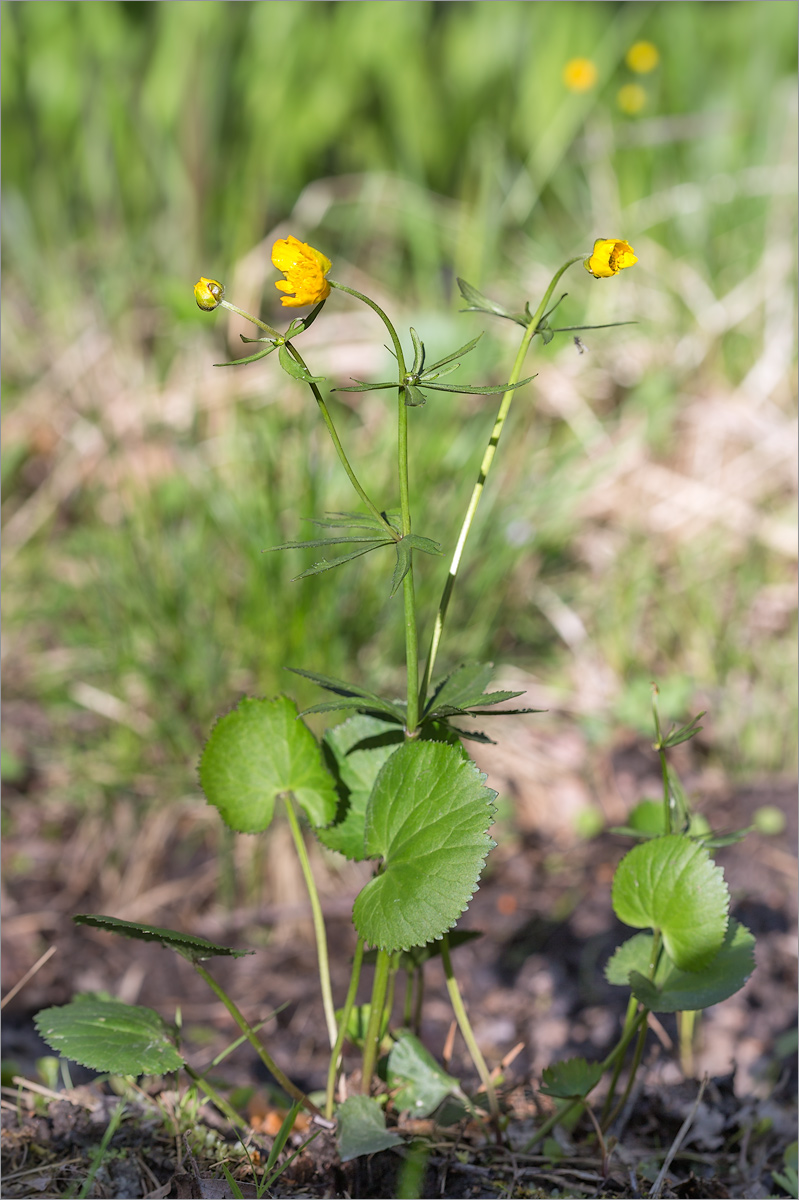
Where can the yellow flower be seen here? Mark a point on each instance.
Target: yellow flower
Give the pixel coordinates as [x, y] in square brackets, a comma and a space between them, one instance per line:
[631, 98]
[609, 256]
[580, 74]
[305, 270]
[208, 293]
[642, 58]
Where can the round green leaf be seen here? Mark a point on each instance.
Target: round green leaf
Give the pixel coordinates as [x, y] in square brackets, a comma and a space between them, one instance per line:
[684, 991]
[359, 748]
[673, 885]
[427, 818]
[362, 1128]
[258, 752]
[107, 1035]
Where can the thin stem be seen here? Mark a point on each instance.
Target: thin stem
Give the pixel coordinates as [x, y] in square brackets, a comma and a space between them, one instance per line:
[373, 1029]
[485, 467]
[345, 462]
[616, 1053]
[318, 921]
[376, 308]
[468, 1034]
[635, 1064]
[249, 317]
[408, 592]
[255, 1041]
[632, 1009]
[335, 1058]
[213, 1095]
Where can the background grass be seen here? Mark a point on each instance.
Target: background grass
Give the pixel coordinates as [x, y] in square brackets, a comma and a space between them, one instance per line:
[641, 524]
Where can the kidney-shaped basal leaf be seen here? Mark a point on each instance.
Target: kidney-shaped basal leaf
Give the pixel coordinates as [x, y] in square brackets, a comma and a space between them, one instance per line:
[427, 818]
[362, 1128]
[421, 1083]
[674, 990]
[195, 949]
[672, 884]
[359, 747]
[256, 753]
[107, 1035]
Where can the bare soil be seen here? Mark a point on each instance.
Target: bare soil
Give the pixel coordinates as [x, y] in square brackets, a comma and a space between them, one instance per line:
[533, 983]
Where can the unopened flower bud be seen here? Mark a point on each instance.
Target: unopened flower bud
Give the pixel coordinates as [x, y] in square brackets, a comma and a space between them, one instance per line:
[208, 294]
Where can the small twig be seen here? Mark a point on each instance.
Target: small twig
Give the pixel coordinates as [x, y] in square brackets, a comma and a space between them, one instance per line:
[675, 1145]
[28, 975]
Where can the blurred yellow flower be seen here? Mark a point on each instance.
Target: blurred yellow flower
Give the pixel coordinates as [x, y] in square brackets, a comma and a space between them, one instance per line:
[609, 256]
[580, 74]
[208, 293]
[631, 98]
[642, 58]
[305, 270]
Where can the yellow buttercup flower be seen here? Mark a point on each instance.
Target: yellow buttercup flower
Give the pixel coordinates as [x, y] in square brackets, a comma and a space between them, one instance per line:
[580, 74]
[631, 98]
[642, 58]
[610, 255]
[305, 270]
[208, 293]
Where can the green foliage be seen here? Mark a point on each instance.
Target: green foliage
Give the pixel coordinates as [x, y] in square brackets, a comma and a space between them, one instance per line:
[671, 884]
[194, 949]
[420, 1082]
[427, 819]
[673, 990]
[356, 749]
[107, 1035]
[570, 1079]
[257, 753]
[362, 1128]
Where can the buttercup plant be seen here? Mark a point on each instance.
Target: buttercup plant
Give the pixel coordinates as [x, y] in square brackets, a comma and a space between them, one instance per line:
[393, 784]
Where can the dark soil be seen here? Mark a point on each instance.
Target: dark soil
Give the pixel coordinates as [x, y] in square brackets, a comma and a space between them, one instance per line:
[533, 983]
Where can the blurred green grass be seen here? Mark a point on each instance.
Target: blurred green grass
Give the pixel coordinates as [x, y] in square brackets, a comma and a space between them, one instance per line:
[146, 144]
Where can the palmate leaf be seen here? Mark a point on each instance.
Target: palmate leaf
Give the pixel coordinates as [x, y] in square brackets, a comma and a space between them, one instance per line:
[411, 541]
[463, 689]
[671, 884]
[353, 696]
[673, 990]
[327, 564]
[427, 819]
[353, 520]
[258, 752]
[195, 949]
[477, 302]
[356, 750]
[107, 1035]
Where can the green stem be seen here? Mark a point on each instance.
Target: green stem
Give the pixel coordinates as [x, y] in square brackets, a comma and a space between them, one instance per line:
[318, 921]
[255, 1042]
[373, 1029]
[485, 467]
[349, 1003]
[468, 1034]
[617, 1053]
[607, 1121]
[408, 592]
[213, 1095]
[632, 1009]
[249, 317]
[345, 462]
